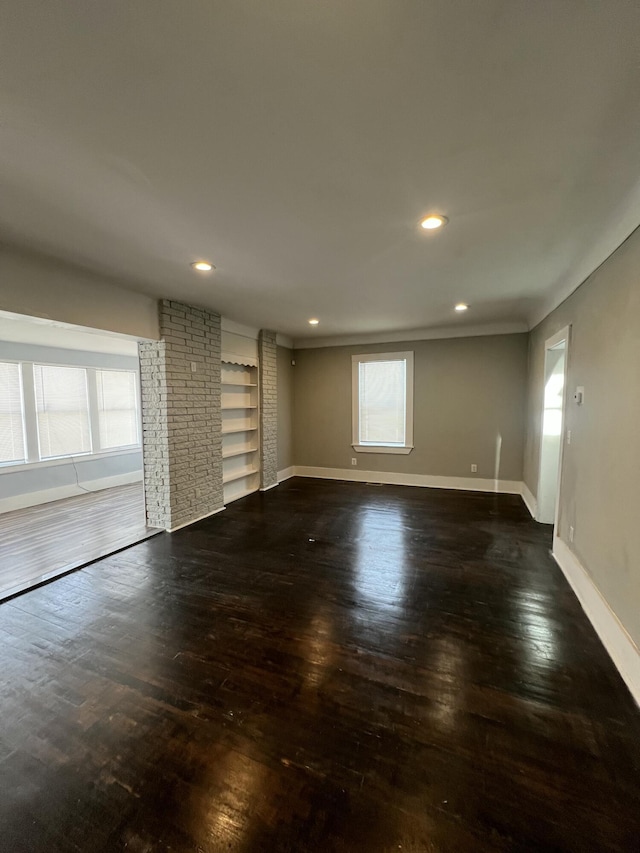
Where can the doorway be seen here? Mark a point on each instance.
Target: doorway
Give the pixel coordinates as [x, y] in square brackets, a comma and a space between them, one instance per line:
[71, 466]
[553, 415]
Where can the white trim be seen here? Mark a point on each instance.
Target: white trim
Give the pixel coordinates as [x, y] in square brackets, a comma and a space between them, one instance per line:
[551, 343]
[558, 338]
[58, 493]
[412, 335]
[268, 488]
[245, 360]
[530, 501]
[621, 648]
[382, 448]
[284, 340]
[29, 417]
[431, 481]
[195, 520]
[227, 325]
[286, 473]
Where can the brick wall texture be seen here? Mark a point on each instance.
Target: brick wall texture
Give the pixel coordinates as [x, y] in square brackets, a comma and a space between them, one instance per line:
[268, 409]
[181, 416]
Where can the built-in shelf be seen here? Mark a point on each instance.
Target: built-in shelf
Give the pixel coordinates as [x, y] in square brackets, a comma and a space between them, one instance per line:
[234, 496]
[239, 451]
[239, 429]
[231, 408]
[240, 456]
[240, 473]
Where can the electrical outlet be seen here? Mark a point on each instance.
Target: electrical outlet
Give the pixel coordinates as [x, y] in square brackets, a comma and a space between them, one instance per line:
[194, 366]
[354, 461]
[568, 436]
[474, 469]
[571, 532]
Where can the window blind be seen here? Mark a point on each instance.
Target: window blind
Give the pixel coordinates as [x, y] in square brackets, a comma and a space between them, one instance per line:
[63, 411]
[382, 402]
[117, 408]
[12, 443]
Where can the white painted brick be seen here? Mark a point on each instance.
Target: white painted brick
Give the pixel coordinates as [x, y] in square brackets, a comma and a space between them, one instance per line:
[182, 441]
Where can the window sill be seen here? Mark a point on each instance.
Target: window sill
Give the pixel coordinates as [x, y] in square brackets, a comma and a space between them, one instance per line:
[381, 448]
[13, 468]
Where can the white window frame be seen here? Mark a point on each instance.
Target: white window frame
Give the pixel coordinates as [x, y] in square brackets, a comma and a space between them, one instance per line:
[94, 409]
[79, 453]
[356, 360]
[32, 442]
[18, 462]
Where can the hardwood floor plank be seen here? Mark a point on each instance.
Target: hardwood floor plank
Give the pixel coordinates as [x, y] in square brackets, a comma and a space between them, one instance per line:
[324, 667]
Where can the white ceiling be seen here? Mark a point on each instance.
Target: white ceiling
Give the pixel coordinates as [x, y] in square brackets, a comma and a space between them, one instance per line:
[296, 145]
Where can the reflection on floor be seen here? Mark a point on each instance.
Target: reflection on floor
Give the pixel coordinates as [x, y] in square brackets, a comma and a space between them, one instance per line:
[323, 668]
[44, 541]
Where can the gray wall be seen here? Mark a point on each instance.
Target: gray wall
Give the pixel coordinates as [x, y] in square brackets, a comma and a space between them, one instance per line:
[285, 408]
[17, 480]
[601, 467]
[38, 286]
[469, 393]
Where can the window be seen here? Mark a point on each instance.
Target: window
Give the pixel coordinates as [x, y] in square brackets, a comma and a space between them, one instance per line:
[117, 408]
[62, 408]
[383, 402]
[50, 411]
[12, 443]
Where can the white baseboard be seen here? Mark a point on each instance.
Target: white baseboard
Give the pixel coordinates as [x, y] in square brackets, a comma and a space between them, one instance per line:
[530, 501]
[268, 488]
[621, 648]
[286, 473]
[71, 491]
[468, 484]
[194, 520]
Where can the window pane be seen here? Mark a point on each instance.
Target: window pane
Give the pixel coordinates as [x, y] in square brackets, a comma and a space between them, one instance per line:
[117, 407]
[12, 445]
[382, 400]
[63, 410]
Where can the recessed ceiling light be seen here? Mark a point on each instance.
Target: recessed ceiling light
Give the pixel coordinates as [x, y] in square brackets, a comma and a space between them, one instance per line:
[313, 321]
[202, 266]
[461, 306]
[430, 223]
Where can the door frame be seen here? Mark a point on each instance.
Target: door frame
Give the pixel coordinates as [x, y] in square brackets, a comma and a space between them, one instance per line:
[563, 334]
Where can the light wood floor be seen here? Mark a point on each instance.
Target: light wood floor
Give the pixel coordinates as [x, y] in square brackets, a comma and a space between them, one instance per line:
[42, 542]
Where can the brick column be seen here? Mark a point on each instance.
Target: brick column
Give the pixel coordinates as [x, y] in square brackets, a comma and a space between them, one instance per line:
[181, 417]
[268, 409]
[155, 433]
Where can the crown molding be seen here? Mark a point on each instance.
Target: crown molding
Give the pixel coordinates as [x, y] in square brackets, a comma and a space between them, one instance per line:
[284, 340]
[412, 335]
[548, 304]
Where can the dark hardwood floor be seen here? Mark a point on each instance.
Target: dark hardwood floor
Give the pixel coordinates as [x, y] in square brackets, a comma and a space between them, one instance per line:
[323, 667]
[41, 542]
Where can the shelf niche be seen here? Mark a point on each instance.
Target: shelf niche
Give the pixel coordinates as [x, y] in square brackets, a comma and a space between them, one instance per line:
[240, 434]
